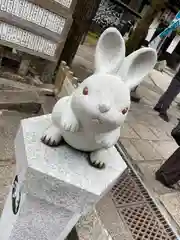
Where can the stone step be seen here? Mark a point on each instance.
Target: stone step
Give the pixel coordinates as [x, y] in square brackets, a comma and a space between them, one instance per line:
[23, 101]
[44, 89]
[9, 123]
[47, 105]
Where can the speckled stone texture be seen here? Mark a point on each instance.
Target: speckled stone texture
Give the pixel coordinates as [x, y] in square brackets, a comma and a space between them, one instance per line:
[57, 186]
[90, 227]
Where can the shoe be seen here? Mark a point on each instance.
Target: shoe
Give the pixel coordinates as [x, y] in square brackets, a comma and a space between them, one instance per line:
[157, 109]
[134, 96]
[164, 116]
[135, 99]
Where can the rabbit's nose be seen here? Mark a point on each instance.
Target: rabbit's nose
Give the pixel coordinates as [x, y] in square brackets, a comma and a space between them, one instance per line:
[103, 108]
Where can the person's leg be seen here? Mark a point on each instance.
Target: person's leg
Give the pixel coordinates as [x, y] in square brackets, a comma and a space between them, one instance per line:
[167, 98]
[169, 172]
[171, 93]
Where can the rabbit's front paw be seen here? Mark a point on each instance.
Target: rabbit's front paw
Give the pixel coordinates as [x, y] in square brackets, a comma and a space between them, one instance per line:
[70, 125]
[52, 136]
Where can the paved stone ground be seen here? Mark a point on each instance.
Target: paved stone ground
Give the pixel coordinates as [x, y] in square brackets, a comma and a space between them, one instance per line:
[145, 137]
[147, 140]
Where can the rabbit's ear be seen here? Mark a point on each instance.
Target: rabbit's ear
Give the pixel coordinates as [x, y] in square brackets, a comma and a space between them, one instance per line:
[110, 51]
[137, 65]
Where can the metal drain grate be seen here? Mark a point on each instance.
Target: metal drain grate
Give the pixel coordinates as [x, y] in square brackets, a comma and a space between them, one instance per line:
[138, 210]
[129, 195]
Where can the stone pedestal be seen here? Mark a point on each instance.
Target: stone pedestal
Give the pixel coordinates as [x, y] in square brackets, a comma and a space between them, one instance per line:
[53, 187]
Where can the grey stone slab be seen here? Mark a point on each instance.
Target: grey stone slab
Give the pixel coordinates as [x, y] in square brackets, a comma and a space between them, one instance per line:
[84, 184]
[82, 68]
[160, 134]
[128, 132]
[141, 108]
[87, 52]
[90, 227]
[146, 149]
[130, 117]
[143, 131]
[131, 149]
[152, 96]
[39, 219]
[148, 175]
[7, 84]
[146, 101]
[171, 201]
[165, 148]
[48, 103]
[9, 123]
[7, 170]
[174, 111]
[146, 119]
[122, 236]
[111, 219]
[47, 89]
[25, 101]
[167, 128]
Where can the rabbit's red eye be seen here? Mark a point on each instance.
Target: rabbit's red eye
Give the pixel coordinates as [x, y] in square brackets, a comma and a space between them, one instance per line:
[124, 111]
[85, 91]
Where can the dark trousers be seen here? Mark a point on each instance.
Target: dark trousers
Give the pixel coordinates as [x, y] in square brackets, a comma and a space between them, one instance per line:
[169, 172]
[170, 94]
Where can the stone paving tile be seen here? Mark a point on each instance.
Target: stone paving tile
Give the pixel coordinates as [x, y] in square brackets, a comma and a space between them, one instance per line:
[148, 176]
[146, 101]
[128, 132]
[171, 201]
[148, 94]
[131, 150]
[160, 134]
[165, 148]
[140, 108]
[146, 119]
[112, 220]
[143, 131]
[130, 117]
[146, 149]
[90, 227]
[121, 236]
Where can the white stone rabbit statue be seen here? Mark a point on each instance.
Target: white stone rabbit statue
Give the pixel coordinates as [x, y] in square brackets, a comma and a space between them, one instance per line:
[90, 119]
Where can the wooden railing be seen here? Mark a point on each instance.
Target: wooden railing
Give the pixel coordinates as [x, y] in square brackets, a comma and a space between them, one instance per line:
[65, 82]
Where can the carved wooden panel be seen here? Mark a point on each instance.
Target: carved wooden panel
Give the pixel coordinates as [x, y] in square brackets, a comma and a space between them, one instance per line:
[33, 13]
[31, 26]
[26, 39]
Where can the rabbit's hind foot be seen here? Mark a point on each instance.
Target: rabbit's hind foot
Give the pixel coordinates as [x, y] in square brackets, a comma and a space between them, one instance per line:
[95, 160]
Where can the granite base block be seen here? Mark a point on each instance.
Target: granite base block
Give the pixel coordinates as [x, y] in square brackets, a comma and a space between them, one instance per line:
[53, 187]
